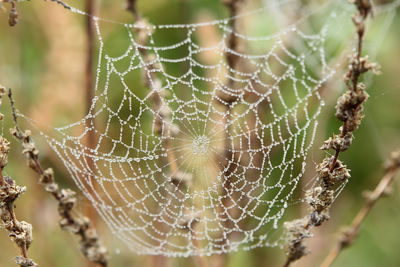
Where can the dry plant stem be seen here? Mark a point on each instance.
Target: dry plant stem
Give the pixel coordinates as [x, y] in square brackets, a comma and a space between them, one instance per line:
[332, 172]
[233, 6]
[226, 101]
[131, 7]
[61, 3]
[89, 94]
[19, 232]
[232, 60]
[355, 72]
[151, 81]
[348, 237]
[13, 13]
[90, 31]
[89, 242]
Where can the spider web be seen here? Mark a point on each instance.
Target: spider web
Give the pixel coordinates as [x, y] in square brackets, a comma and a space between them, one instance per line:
[201, 158]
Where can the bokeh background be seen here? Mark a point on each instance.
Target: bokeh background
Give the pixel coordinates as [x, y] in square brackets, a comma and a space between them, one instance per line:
[43, 59]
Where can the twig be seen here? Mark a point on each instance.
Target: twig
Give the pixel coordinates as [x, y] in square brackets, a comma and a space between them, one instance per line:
[61, 3]
[349, 107]
[226, 99]
[131, 7]
[350, 234]
[332, 172]
[13, 13]
[90, 139]
[151, 81]
[233, 6]
[163, 125]
[89, 242]
[19, 232]
[90, 41]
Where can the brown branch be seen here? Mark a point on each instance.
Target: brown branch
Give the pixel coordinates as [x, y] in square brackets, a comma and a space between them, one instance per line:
[131, 7]
[90, 41]
[151, 81]
[163, 125]
[89, 242]
[90, 139]
[349, 106]
[348, 237]
[332, 173]
[61, 3]
[232, 60]
[13, 13]
[163, 114]
[19, 232]
[233, 7]
[226, 99]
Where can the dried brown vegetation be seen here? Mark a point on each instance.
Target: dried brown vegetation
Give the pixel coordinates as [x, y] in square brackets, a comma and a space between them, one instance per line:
[70, 221]
[332, 172]
[349, 235]
[20, 232]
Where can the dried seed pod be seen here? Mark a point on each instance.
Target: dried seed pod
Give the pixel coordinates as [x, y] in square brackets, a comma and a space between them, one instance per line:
[332, 177]
[4, 149]
[47, 177]
[13, 15]
[364, 7]
[348, 105]
[296, 231]
[24, 262]
[338, 142]
[319, 198]
[355, 119]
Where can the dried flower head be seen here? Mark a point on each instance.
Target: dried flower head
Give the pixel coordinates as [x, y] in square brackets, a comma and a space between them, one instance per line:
[338, 142]
[296, 231]
[24, 262]
[332, 175]
[319, 198]
[13, 16]
[4, 149]
[348, 104]
[364, 7]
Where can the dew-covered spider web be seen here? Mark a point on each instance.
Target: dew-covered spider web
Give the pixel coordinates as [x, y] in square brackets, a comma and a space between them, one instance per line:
[200, 146]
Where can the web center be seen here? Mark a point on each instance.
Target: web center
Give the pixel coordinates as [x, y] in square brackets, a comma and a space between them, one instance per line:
[200, 145]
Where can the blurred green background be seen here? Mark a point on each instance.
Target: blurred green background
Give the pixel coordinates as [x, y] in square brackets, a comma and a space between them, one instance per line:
[42, 59]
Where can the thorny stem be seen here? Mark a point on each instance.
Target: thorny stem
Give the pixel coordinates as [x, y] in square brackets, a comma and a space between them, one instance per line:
[89, 242]
[350, 234]
[332, 172]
